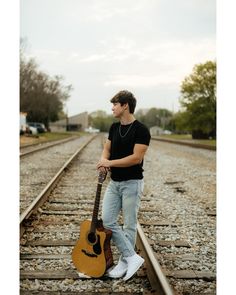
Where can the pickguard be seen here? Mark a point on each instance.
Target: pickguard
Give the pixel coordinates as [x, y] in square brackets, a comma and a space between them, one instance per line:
[97, 247]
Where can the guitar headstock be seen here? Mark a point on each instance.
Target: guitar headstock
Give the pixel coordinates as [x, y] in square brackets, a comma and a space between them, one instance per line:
[102, 176]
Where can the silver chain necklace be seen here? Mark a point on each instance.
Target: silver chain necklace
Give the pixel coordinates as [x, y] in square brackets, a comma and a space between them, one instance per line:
[126, 131]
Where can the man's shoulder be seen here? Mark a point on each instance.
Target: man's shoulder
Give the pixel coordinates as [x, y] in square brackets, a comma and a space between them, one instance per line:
[142, 134]
[115, 124]
[141, 125]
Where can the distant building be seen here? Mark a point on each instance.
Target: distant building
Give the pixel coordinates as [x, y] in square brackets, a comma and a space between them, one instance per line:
[74, 123]
[156, 130]
[23, 123]
[98, 113]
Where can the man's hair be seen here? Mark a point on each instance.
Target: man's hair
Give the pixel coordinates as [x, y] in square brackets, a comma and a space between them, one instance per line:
[123, 97]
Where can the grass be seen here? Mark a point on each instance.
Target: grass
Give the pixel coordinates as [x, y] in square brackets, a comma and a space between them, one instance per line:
[48, 136]
[189, 138]
[177, 136]
[45, 137]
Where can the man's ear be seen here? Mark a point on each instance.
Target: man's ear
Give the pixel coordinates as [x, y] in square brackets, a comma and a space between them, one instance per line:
[126, 106]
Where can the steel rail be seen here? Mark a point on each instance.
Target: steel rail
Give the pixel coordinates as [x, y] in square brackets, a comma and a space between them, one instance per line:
[158, 280]
[43, 195]
[46, 145]
[191, 144]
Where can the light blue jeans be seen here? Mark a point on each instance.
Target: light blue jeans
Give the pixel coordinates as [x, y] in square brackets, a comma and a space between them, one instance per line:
[125, 196]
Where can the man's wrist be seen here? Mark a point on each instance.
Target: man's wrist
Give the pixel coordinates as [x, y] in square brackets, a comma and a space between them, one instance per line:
[111, 163]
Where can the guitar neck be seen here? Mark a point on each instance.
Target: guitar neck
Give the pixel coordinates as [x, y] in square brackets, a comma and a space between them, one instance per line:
[96, 208]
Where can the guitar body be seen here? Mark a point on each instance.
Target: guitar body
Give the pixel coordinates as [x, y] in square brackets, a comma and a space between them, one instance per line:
[92, 253]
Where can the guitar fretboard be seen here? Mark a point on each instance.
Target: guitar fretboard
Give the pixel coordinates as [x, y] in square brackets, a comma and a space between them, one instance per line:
[96, 207]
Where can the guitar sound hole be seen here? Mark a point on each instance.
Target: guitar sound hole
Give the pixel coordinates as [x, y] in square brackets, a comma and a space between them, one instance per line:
[92, 238]
[97, 247]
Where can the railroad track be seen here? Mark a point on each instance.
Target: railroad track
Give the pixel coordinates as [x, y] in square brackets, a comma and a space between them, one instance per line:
[52, 217]
[179, 201]
[43, 195]
[38, 168]
[186, 142]
[33, 148]
[52, 229]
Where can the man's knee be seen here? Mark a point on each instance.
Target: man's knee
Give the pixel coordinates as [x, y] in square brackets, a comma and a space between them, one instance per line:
[108, 222]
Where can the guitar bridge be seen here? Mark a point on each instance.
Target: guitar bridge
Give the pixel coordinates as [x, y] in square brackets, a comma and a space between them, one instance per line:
[89, 253]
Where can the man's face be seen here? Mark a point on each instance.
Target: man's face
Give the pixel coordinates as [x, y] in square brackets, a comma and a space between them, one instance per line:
[118, 109]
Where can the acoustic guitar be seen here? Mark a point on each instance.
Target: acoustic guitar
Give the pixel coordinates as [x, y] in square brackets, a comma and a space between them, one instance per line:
[92, 254]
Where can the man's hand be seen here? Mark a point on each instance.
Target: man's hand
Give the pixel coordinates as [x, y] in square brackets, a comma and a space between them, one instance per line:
[101, 167]
[104, 163]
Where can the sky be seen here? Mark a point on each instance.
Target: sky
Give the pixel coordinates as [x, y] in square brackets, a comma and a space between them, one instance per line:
[103, 46]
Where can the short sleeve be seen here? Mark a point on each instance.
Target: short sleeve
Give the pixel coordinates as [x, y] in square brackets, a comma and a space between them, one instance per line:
[110, 132]
[142, 135]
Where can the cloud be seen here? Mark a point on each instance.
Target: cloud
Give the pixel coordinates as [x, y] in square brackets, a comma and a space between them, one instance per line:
[45, 53]
[140, 81]
[123, 64]
[93, 58]
[102, 11]
[175, 53]
[163, 63]
[156, 55]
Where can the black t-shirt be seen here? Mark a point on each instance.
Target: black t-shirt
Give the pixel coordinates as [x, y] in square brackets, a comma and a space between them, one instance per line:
[123, 138]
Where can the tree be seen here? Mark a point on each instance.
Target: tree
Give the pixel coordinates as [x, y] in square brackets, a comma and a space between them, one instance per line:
[41, 96]
[155, 117]
[198, 99]
[178, 122]
[101, 120]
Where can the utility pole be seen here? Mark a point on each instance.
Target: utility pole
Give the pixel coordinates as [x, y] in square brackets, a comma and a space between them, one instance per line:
[67, 120]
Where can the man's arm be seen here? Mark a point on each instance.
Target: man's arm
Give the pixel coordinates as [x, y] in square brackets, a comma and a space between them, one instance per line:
[106, 150]
[134, 159]
[105, 156]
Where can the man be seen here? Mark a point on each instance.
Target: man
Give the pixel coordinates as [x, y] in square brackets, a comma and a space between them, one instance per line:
[123, 155]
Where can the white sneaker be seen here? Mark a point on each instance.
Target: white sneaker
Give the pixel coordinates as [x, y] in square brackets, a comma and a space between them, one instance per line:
[134, 263]
[119, 270]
